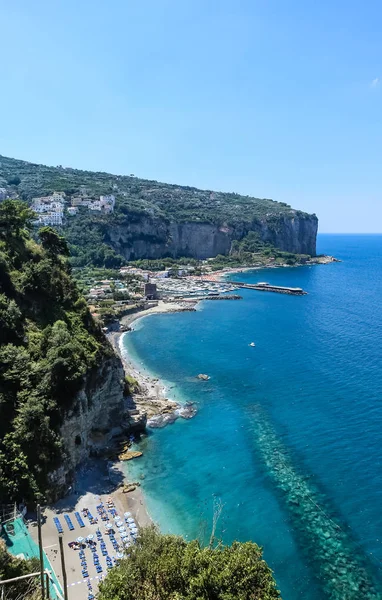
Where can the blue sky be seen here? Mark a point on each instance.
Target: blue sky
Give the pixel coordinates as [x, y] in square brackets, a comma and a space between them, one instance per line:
[270, 98]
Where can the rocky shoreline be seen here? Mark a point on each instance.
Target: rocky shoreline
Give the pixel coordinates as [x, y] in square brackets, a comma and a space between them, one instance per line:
[148, 402]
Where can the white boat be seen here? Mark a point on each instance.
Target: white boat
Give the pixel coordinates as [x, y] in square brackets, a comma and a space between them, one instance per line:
[252, 344]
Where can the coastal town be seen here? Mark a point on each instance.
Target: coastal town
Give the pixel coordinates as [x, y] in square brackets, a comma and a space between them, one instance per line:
[52, 209]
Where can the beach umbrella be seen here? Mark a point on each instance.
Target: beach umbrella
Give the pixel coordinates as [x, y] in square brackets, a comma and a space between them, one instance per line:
[124, 538]
[130, 520]
[119, 523]
[119, 555]
[90, 537]
[109, 525]
[80, 540]
[127, 514]
[121, 529]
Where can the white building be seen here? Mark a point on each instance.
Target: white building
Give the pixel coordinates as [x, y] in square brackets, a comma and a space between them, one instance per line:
[52, 218]
[96, 205]
[58, 196]
[107, 202]
[40, 208]
[72, 210]
[56, 207]
[3, 194]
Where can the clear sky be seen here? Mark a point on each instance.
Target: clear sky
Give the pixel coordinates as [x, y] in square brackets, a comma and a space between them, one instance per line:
[271, 98]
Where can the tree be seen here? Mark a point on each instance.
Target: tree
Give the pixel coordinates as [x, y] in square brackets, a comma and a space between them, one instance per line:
[52, 242]
[11, 567]
[166, 567]
[14, 216]
[14, 180]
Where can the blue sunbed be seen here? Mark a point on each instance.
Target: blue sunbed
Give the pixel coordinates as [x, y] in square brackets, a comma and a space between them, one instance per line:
[58, 525]
[69, 522]
[79, 519]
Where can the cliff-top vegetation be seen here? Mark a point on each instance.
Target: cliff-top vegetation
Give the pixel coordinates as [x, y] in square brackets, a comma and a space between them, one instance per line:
[88, 234]
[137, 196]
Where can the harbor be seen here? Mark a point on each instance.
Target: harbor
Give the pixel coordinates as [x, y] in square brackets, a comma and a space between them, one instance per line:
[195, 288]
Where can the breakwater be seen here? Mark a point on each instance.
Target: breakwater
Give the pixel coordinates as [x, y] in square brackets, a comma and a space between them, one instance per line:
[266, 287]
[340, 563]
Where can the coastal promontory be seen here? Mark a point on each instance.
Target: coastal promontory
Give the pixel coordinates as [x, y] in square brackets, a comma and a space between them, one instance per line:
[109, 218]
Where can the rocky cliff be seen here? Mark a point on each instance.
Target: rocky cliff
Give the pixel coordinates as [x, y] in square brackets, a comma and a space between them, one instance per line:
[98, 414]
[156, 238]
[153, 219]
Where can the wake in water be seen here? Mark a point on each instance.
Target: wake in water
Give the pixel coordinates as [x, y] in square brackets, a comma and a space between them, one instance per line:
[342, 570]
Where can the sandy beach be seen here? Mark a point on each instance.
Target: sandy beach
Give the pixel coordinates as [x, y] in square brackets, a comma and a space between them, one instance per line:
[95, 483]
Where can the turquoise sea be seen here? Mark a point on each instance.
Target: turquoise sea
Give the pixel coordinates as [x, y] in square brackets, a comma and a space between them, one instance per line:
[288, 434]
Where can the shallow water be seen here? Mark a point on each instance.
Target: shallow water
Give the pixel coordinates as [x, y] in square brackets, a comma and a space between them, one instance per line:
[299, 412]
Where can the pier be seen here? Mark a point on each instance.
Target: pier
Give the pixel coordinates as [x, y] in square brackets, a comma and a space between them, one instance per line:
[211, 297]
[266, 287]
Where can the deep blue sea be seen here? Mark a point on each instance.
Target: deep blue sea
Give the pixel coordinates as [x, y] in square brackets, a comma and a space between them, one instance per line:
[288, 434]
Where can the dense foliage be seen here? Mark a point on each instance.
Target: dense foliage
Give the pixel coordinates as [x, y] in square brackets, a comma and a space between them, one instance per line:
[252, 251]
[166, 567]
[11, 567]
[48, 342]
[88, 233]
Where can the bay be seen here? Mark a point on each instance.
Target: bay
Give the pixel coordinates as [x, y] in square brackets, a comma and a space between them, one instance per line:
[288, 433]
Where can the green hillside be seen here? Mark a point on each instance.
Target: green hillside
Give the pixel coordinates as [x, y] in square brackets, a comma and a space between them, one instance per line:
[48, 342]
[135, 195]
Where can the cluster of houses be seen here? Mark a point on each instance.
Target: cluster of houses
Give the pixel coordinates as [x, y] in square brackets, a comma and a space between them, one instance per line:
[146, 275]
[50, 209]
[104, 204]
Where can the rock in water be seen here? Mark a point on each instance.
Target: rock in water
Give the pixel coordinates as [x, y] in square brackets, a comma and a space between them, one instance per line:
[203, 377]
[129, 455]
[187, 411]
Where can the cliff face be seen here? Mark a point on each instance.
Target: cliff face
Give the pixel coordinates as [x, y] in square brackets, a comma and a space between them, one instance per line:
[156, 238]
[298, 234]
[97, 414]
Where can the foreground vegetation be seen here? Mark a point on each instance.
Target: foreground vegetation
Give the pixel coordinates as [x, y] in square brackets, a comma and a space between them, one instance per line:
[166, 567]
[48, 342]
[11, 567]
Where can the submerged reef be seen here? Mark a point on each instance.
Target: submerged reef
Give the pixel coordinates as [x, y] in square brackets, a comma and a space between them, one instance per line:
[343, 571]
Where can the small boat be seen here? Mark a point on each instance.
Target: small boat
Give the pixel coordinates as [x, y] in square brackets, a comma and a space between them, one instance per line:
[252, 344]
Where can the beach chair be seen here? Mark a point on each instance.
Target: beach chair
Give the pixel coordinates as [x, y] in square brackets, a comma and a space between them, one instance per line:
[58, 525]
[69, 522]
[79, 519]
